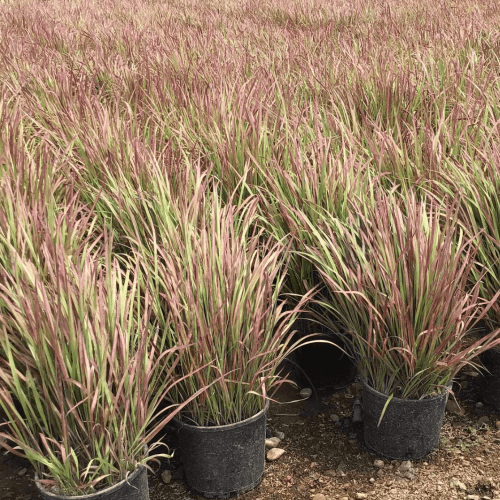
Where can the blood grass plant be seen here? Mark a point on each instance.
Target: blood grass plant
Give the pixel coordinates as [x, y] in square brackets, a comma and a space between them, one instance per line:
[478, 182]
[218, 283]
[397, 275]
[83, 370]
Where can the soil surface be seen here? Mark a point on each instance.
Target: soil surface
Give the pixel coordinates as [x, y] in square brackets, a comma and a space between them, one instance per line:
[328, 460]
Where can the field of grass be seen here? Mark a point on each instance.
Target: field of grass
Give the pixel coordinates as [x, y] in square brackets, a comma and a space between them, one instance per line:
[367, 130]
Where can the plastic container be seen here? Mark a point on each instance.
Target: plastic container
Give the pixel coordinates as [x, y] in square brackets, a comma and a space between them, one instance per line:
[223, 460]
[490, 384]
[135, 487]
[409, 429]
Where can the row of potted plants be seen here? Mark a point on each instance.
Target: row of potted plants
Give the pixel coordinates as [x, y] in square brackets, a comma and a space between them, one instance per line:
[180, 300]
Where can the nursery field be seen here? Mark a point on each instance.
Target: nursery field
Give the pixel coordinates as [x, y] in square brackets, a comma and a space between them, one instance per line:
[185, 184]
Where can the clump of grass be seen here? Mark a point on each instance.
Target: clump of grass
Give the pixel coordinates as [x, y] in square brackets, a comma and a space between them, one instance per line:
[397, 273]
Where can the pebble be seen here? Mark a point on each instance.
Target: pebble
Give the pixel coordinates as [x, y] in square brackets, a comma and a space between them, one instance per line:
[405, 466]
[341, 466]
[318, 496]
[372, 480]
[361, 495]
[378, 463]
[479, 405]
[272, 442]
[22, 472]
[280, 435]
[166, 476]
[483, 420]
[473, 497]
[305, 393]
[334, 418]
[274, 454]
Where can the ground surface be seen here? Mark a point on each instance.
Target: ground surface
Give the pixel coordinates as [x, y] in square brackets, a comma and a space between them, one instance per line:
[321, 458]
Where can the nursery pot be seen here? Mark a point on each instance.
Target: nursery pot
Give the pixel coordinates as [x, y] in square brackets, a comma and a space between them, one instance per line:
[409, 429]
[323, 365]
[134, 487]
[490, 384]
[225, 459]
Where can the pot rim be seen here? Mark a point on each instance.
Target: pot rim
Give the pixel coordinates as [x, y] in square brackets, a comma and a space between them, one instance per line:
[407, 401]
[220, 428]
[89, 496]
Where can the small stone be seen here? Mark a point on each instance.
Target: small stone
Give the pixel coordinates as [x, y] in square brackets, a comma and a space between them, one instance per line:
[461, 486]
[405, 466]
[473, 497]
[330, 473]
[280, 435]
[483, 420]
[272, 442]
[344, 498]
[479, 405]
[22, 472]
[274, 454]
[318, 496]
[305, 393]
[378, 463]
[334, 418]
[408, 475]
[166, 476]
[361, 495]
[372, 480]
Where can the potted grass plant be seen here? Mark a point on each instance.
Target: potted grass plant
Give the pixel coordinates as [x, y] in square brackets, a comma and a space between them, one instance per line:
[396, 275]
[83, 369]
[480, 187]
[218, 281]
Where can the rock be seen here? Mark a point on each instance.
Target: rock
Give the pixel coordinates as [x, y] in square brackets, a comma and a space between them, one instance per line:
[479, 405]
[318, 496]
[280, 435]
[274, 454]
[372, 480]
[405, 466]
[361, 495]
[408, 475]
[452, 406]
[272, 442]
[483, 420]
[166, 476]
[334, 418]
[22, 472]
[330, 473]
[473, 497]
[378, 463]
[305, 393]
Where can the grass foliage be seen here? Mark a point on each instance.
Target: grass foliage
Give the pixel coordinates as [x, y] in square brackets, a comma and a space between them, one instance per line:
[178, 179]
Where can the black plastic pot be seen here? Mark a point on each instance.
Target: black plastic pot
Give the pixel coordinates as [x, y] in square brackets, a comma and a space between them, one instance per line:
[409, 429]
[325, 366]
[226, 459]
[490, 384]
[135, 487]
